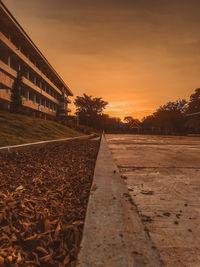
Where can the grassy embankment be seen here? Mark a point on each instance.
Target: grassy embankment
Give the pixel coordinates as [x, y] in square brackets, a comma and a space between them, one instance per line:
[19, 129]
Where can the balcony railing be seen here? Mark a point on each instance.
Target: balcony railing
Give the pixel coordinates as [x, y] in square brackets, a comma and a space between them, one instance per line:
[9, 44]
[7, 81]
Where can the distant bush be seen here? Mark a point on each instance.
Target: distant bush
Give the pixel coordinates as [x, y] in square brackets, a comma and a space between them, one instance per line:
[85, 129]
[81, 128]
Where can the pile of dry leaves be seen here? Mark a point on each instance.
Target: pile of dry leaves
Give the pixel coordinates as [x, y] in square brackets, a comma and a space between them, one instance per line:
[44, 193]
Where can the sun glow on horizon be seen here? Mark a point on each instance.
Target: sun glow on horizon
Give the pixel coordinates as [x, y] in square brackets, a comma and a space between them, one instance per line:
[136, 55]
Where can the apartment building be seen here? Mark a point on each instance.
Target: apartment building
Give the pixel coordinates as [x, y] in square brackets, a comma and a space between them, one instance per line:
[44, 93]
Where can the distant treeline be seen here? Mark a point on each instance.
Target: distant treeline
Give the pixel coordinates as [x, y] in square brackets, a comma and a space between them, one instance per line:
[178, 118]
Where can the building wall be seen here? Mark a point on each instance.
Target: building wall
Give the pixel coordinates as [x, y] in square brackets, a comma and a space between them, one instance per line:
[42, 90]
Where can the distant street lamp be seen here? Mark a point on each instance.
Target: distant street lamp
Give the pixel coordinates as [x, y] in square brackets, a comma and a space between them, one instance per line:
[77, 119]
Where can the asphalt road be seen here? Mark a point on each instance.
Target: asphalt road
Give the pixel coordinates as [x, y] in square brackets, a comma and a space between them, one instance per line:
[163, 179]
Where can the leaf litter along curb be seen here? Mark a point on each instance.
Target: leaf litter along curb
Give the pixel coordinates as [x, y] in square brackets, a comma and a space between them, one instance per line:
[44, 193]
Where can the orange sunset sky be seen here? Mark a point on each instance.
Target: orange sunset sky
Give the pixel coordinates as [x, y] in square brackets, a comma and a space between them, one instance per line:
[135, 54]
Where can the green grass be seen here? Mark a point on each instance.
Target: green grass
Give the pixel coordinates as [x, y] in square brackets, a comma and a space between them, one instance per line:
[20, 129]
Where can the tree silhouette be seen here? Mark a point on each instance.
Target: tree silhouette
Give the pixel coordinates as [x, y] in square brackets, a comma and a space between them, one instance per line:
[16, 104]
[89, 109]
[194, 102]
[170, 118]
[193, 121]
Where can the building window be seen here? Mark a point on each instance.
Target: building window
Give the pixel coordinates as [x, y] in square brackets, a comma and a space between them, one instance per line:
[43, 102]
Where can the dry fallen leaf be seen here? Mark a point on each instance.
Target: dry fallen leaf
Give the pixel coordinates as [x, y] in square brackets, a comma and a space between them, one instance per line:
[78, 222]
[1, 217]
[47, 225]
[36, 258]
[57, 231]
[19, 258]
[10, 258]
[43, 250]
[2, 262]
[42, 223]
[31, 237]
[66, 260]
[45, 258]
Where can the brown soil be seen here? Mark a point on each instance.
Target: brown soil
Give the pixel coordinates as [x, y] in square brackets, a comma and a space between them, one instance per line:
[44, 193]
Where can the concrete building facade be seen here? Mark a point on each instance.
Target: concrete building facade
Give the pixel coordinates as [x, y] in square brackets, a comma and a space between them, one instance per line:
[44, 93]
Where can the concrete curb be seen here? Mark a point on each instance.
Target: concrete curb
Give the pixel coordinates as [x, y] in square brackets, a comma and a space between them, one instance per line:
[45, 142]
[114, 235]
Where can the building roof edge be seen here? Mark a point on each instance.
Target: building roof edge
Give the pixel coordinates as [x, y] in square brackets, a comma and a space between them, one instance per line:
[34, 45]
